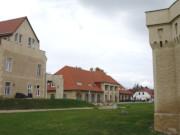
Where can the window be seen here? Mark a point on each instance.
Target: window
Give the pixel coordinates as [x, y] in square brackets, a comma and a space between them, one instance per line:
[92, 98]
[52, 96]
[139, 93]
[38, 90]
[161, 44]
[29, 42]
[78, 96]
[8, 64]
[98, 98]
[20, 39]
[15, 38]
[176, 28]
[106, 87]
[30, 89]
[90, 85]
[143, 93]
[7, 88]
[105, 98]
[79, 83]
[52, 85]
[86, 97]
[33, 43]
[39, 70]
[64, 96]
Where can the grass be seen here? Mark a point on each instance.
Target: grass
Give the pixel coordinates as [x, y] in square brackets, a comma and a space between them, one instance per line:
[12, 104]
[139, 121]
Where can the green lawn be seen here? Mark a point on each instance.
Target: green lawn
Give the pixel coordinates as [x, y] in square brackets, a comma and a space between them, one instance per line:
[81, 122]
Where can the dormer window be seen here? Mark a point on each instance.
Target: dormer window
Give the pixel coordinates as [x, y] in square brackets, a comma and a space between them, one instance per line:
[29, 42]
[79, 83]
[15, 38]
[90, 85]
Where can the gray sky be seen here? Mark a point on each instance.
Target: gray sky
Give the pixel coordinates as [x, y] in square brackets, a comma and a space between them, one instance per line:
[110, 34]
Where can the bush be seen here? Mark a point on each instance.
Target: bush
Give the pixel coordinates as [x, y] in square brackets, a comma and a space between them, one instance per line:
[12, 104]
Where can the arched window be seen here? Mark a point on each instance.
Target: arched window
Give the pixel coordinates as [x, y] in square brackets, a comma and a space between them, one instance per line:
[92, 98]
[86, 97]
[98, 98]
[78, 96]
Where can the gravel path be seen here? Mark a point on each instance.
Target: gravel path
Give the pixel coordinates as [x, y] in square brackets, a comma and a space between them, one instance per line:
[43, 110]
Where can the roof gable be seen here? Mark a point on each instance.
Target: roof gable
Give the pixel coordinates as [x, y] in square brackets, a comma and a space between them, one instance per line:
[8, 27]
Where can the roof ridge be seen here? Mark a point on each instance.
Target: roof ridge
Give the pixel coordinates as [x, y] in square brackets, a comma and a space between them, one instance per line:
[14, 19]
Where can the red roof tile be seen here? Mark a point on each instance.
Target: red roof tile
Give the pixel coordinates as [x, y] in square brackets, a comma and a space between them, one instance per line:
[127, 92]
[9, 27]
[50, 88]
[89, 79]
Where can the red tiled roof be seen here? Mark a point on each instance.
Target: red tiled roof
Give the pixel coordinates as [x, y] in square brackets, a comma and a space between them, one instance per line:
[126, 92]
[9, 27]
[50, 88]
[73, 75]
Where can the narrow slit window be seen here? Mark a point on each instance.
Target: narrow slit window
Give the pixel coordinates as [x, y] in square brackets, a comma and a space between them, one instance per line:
[161, 44]
[176, 28]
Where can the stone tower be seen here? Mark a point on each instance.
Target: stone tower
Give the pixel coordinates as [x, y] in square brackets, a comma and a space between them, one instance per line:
[164, 35]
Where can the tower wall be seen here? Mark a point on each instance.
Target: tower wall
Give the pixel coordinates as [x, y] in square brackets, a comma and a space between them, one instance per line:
[164, 37]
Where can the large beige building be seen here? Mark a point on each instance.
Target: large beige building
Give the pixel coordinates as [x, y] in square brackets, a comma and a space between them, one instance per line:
[164, 34]
[22, 63]
[91, 86]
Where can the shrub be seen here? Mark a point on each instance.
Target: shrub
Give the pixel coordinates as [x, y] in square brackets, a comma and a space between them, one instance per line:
[12, 104]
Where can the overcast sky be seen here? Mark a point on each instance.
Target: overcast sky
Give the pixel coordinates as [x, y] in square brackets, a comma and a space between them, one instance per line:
[110, 34]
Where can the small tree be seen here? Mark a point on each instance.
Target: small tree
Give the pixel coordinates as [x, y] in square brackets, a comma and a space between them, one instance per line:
[98, 69]
[91, 69]
[137, 86]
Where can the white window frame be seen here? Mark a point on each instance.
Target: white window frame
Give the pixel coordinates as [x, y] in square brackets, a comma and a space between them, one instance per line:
[7, 88]
[38, 91]
[29, 88]
[39, 70]
[9, 64]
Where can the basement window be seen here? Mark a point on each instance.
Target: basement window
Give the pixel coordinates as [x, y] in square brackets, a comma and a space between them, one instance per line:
[79, 83]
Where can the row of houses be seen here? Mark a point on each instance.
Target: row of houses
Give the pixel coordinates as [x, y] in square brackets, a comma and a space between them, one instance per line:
[23, 70]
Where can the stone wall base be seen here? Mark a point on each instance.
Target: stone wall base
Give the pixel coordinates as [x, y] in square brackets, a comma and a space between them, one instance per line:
[167, 123]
